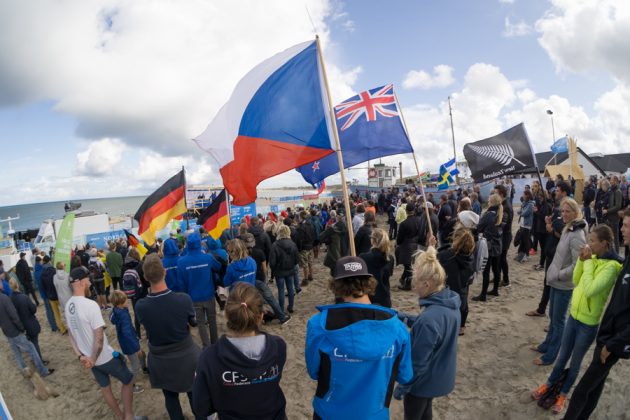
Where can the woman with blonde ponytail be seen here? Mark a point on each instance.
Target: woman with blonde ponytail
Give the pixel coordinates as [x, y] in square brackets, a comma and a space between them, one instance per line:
[380, 264]
[239, 376]
[433, 338]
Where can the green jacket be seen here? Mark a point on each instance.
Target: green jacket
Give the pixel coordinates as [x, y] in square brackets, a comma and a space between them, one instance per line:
[593, 281]
[114, 263]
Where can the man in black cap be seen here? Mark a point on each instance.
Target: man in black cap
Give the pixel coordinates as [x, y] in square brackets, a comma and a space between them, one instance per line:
[89, 342]
[359, 347]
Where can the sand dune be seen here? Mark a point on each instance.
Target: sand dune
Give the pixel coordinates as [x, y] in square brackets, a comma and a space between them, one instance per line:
[494, 376]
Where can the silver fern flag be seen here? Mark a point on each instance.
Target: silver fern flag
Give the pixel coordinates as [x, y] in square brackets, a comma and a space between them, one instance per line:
[500, 155]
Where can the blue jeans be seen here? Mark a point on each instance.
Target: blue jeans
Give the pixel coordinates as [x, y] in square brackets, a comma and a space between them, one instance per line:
[21, 344]
[576, 340]
[49, 314]
[280, 281]
[267, 294]
[558, 305]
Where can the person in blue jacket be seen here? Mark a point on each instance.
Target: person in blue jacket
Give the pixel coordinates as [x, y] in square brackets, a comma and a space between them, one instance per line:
[37, 274]
[171, 257]
[355, 350]
[433, 338]
[195, 272]
[242, 267]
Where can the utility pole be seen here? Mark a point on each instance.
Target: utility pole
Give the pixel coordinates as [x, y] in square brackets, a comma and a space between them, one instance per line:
[450, 113]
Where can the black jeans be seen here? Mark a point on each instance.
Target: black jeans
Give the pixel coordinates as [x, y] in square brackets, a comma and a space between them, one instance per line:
[418, 408]
[526, 241]
[493, 263]
[543, 246]
[544, 299]
[173, 407]
[503, 264]
[136, 322]
[587, 392]
[116, 283]
[405, 279]
[463, 309]
[393, 229]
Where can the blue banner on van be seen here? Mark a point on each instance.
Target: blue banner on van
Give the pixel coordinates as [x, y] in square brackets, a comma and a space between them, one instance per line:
[238, 212]
[100, 239]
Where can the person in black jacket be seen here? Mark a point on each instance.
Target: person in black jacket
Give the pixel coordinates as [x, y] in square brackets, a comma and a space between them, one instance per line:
[380, 265]
[23, 272]
[506, 232]
[391, 219]
[588, 195]
[445, 213]
[48, 284]
[407, 241]
[305, 236]
[26, 310]
[282, 261]
[362, 241]
[424, 227]
[612, 342]
[458, 262]
[490, 227]
[239, 376]
[262, 239]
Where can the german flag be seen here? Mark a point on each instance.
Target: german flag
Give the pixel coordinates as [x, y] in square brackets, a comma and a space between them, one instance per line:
[168, 202]
[215, 217]
[134, 242]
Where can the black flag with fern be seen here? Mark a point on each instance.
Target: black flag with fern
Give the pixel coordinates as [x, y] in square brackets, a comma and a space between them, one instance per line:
[500, 155]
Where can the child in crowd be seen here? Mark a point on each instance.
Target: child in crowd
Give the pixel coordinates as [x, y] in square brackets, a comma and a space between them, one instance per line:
[127, 337]
[239, 376]
[242, 267]
[433, 338]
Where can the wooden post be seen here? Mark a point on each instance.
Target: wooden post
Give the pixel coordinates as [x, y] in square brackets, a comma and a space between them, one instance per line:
[426, 206]
[333, 120]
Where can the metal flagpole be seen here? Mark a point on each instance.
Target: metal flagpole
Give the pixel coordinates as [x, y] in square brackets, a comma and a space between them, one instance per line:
[450, 113]
[333, 119]
[426, 206]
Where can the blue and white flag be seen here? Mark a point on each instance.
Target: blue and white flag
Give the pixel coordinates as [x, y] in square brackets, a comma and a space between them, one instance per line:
[560, 146]
[369, 127]
[447, 171]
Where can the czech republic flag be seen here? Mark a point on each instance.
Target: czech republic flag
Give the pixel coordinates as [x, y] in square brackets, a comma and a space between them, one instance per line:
[277, 119]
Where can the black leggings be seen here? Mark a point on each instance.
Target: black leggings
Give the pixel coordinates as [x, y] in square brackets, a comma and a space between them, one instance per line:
[418, 408]
[493, 263]
[173, 407]
[526, 241]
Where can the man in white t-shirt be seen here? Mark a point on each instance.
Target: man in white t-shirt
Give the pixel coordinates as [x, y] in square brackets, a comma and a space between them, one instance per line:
[85, 325]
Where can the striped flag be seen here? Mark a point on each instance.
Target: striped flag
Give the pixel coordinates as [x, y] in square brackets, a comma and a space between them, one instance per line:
[215, 217]
[134, 242]
[166, 203]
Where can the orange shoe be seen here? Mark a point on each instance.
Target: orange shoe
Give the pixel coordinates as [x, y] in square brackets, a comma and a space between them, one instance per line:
[558, 407]
[540, 391]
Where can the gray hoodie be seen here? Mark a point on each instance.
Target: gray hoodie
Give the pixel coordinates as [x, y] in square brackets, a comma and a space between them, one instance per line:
[560, 273]
[62, 285]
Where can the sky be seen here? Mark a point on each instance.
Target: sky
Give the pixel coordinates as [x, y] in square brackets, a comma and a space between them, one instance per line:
[101, 98]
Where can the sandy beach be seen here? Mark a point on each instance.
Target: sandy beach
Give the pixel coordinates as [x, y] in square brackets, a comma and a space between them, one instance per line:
[495, 372]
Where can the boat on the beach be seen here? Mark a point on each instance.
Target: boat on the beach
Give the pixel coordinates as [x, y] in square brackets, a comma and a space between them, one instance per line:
[10, 248]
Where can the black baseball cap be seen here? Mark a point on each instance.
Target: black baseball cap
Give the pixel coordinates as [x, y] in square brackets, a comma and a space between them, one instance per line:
[351, 267]
[78, 274]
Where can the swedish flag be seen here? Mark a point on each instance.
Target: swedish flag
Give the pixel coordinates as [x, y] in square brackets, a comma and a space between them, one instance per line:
[447, 171]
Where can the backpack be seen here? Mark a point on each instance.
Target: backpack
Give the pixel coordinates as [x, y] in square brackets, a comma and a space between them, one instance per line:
[96, 270]
[549, 398]
[131, 283]
[481, 254]
[218, 277]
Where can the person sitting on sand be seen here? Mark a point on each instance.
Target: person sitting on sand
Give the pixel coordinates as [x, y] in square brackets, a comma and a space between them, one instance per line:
[167, 317]
[355, 350]
[89, 342]
[246, 357]
[433, 338]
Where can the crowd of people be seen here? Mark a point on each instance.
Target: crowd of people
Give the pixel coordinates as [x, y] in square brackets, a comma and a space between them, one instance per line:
[360, 350]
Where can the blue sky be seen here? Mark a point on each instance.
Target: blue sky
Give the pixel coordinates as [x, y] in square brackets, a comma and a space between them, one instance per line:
[101, 98]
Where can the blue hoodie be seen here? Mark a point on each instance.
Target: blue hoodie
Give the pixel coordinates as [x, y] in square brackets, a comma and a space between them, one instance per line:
[194, 271]
[214, 247]
[37, 273]
[127, 338]
[433, 346]
[352, 350]
[171, 256]
[242, 270]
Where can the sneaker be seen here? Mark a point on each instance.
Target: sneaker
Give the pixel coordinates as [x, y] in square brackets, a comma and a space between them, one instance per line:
[479, 298]
[137, 389]
[558, 407]
[505, 284]
[532, 251]
[285, 320]
[493, 293]
[540, 391]
[50, 372]
[290, 310]
[304, 283]
[538, 267]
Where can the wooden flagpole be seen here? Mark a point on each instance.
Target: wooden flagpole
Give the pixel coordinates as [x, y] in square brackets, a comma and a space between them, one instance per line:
[415, 161]
[333, 120]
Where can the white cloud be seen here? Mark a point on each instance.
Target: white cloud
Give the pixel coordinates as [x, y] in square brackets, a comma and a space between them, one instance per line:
[152, 74]
[349, 25]
[587, 35]
[442, 77]
[100, 157]
[516, 29]
[506, 1]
